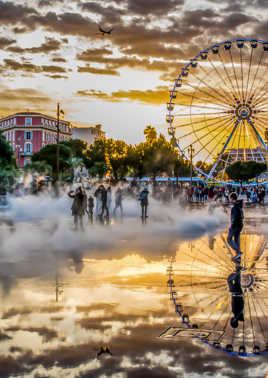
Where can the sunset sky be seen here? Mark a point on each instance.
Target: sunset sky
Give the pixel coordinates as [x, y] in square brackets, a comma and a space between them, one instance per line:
[51, 51]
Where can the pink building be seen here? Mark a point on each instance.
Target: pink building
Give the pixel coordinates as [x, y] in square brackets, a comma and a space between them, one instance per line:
[28, 132]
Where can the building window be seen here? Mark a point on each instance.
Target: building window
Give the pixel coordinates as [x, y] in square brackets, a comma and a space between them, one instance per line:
[28, 135]
[28, 121]
[28, 148]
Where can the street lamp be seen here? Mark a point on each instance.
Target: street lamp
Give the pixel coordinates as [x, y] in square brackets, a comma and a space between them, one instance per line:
[190, 152]
[58, 139]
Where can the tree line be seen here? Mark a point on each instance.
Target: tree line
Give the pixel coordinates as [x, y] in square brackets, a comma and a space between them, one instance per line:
[106, 156]
[153, 157]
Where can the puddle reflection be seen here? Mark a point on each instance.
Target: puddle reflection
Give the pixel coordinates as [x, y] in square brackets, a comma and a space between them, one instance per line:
[55, 322]
[223, 304]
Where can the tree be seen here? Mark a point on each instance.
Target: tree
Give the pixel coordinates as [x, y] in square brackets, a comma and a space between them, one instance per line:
[158, 156]
[6, 153]
[108, 155]
[95, 158]
[150, 133]
[182, 168]
[244, 171]
[48, 155]
[7, 165]
[78, 147]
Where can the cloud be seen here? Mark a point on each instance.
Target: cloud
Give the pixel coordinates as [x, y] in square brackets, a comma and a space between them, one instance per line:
[21, 99]
[153, 7]
[46, 333]
[14, 312]
[109, 14]
[97, 71]
[152, 97]
[65, 23]
[11, 13]
[4, 337]
[24, 94]
[4, 42]
[261, 30]
[59, 60]
[57, 77]
[18, 30]
[47, 3]
[49, 45]
[13, 65]
[131, 61]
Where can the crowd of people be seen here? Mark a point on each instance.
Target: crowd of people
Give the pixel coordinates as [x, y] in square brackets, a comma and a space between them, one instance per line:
[201, 193]
[101, 204]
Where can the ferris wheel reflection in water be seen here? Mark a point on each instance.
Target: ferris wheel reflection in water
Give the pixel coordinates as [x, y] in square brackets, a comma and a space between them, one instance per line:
[198, 289]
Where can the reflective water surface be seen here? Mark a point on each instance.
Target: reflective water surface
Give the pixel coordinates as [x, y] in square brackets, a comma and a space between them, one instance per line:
[58, 314]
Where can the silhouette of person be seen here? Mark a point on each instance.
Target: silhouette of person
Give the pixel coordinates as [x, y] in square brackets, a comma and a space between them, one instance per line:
[236, 225]
[234, 283]
[143, 198]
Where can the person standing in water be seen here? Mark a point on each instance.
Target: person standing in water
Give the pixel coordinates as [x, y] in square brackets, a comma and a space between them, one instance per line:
[79, 206]
[90, 208]
[236, 225]
[143, 198]
[118, 201]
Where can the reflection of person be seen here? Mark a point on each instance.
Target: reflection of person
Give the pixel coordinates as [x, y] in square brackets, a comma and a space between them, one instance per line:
[79, 206]
[143, 198]
[234, 283]
[236, 225]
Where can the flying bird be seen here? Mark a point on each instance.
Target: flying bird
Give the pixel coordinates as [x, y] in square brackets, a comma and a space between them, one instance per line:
[104, 349]
[105, 31]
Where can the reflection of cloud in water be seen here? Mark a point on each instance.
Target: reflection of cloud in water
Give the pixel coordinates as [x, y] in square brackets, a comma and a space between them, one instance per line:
[127, 316]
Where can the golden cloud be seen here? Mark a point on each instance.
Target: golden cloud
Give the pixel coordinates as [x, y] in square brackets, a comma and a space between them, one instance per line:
[153, 97]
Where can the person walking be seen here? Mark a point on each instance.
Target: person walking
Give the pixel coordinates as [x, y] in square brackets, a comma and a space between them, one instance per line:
[79, 206]
[236, 225]
[118, 201]
[143, 198]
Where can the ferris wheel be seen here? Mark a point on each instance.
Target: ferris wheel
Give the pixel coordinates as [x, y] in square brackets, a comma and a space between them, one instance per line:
[218, 107]
[198, 288]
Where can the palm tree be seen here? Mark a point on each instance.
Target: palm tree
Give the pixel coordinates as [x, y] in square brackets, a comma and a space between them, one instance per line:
[150, 133]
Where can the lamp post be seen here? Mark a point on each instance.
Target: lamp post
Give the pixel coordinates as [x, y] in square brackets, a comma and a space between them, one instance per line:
[190, 152]
[58, 139]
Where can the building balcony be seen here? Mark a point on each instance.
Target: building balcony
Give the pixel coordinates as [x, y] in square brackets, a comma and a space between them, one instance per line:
[26, 153]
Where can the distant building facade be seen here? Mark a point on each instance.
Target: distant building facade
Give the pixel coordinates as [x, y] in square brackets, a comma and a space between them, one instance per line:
[88, 134]
[247, 154]
[28, 132]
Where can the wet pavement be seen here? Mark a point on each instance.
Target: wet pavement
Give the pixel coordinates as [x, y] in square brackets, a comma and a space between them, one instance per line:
[57, 313]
